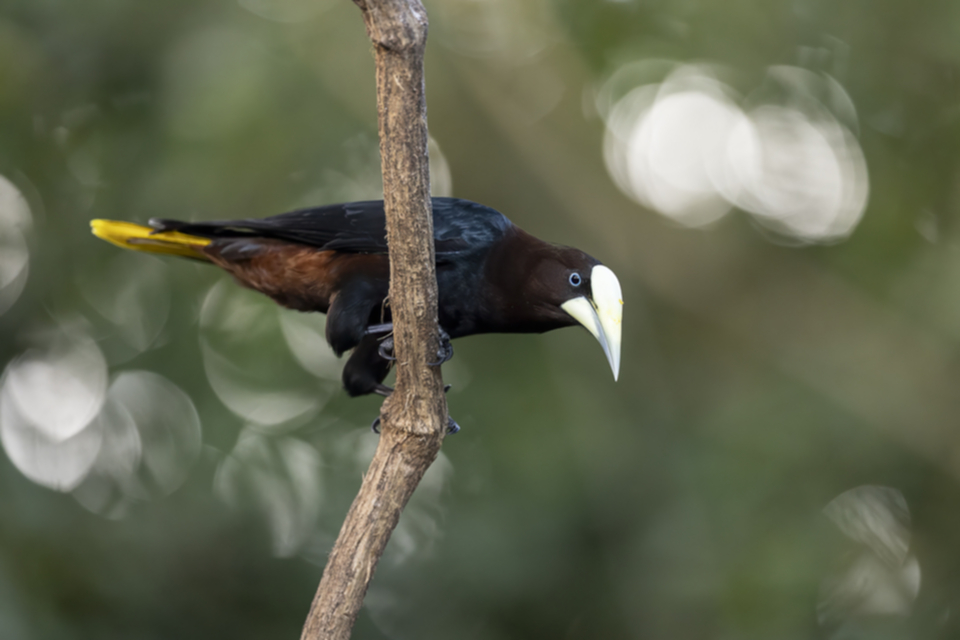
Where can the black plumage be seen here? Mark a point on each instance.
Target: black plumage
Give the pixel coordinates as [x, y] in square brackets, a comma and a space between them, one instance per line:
[491, 275]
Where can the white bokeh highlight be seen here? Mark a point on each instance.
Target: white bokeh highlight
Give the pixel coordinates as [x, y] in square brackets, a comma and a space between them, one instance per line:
[244, 377]
[151, 439]
[137, 307]
[879, 576]
[280, 478]
[15, 223]
[49, 398]
[305, 335]
[687, 148]
[801, 176]
[168, 428]
[65, 428]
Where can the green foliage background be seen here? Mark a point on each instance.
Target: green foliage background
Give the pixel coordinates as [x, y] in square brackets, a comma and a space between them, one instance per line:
[760, 379]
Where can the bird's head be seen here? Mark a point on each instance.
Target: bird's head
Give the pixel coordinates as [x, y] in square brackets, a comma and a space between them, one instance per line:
[581, 288]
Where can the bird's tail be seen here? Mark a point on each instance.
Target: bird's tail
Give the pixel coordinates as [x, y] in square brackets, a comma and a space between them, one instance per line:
[140, 238]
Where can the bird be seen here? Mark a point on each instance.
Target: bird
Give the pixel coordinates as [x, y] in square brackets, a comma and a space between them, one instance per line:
[492, 277]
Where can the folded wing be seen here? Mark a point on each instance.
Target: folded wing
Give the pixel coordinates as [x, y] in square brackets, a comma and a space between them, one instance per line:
[356, 227]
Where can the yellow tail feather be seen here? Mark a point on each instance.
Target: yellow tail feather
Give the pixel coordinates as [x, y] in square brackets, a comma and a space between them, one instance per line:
[140, 238]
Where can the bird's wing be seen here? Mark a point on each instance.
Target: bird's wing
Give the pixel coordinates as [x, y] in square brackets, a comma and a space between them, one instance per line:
[357, 227]
[462, 227]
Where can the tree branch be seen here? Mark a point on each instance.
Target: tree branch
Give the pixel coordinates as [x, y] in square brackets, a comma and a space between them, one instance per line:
[414, 418]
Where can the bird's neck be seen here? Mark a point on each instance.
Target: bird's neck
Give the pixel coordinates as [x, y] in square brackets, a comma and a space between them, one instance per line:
[513, 298]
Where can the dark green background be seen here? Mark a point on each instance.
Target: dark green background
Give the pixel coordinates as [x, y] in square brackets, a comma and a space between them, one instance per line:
[760, 379]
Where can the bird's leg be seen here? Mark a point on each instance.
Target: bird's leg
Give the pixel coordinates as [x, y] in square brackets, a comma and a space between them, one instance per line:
[452, 426]
[378, 329]
[444, 352]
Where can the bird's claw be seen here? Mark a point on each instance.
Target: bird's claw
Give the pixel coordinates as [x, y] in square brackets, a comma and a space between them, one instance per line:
[445, 351]
[386, 349]
[452, 426]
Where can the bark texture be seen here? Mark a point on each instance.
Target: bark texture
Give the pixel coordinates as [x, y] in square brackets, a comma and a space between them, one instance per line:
[414, 418]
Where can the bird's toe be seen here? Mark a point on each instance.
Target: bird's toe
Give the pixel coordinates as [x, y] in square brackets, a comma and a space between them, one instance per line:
[386, 349]
[444, 351]
[452, 426]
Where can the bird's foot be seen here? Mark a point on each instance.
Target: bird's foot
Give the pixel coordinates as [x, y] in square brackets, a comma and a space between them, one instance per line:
[452, 426]
[384, 390]
[445, 351]
[386, 349]
[386, 343]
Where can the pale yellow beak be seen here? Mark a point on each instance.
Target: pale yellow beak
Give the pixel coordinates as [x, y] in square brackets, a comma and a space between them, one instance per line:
[601, 313]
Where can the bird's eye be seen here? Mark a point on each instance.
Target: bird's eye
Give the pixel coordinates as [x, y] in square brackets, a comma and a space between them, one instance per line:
[575, 279]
